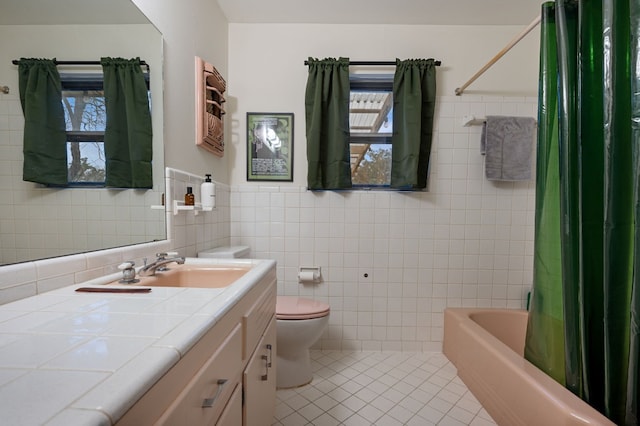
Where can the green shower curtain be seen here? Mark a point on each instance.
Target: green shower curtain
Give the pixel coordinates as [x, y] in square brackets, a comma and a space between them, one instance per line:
[545, 332]
[633, 377]
[599, 172]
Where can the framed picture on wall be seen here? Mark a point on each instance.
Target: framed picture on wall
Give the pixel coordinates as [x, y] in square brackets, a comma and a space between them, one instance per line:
[269, 146]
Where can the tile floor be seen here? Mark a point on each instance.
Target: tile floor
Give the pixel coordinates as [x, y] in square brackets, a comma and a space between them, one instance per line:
[382, 389]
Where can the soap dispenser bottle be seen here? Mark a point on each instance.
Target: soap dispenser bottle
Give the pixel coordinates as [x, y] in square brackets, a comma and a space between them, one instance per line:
[207, 192]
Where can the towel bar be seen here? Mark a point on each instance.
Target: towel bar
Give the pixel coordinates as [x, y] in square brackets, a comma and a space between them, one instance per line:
[472, 120]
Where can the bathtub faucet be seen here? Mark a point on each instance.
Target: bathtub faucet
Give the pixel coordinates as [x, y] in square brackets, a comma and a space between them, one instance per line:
[159, 265]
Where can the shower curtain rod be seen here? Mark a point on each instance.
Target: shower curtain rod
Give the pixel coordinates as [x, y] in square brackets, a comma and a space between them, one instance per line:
[500, 54]
[57, 62]
[374, 63]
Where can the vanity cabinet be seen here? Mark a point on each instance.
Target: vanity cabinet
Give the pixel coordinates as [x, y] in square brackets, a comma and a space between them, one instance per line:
[259, 380]
[204, 398]
[227, 377]
[259, 377]
[232, 414]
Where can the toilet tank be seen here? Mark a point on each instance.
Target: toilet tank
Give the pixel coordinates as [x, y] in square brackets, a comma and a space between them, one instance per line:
[232, 252]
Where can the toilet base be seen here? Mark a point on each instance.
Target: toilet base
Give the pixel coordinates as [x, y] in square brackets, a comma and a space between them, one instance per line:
[294, 369]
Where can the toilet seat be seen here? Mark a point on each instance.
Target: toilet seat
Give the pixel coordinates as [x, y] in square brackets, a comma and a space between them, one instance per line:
[299, 308]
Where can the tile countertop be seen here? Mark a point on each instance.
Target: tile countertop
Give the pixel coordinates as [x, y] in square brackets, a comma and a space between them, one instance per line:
[86, 358]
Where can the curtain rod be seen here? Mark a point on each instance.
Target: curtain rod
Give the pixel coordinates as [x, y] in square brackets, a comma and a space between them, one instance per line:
[379, 63]
[500, 54]
[57, 62]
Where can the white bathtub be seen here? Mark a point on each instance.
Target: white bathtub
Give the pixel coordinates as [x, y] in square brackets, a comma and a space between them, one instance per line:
[487, 347]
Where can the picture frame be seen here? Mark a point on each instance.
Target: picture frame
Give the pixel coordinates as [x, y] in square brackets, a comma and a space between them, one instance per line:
[270, 146]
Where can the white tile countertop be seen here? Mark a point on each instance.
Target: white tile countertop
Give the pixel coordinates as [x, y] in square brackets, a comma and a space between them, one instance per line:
[69, 358]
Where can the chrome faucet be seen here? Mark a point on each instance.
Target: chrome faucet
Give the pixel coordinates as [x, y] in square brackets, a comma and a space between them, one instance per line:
[159, 265]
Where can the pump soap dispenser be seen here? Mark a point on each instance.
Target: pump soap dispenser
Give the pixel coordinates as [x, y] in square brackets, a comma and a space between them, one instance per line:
[208, 194]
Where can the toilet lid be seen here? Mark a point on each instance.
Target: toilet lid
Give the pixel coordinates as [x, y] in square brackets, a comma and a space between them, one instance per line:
[293, 308]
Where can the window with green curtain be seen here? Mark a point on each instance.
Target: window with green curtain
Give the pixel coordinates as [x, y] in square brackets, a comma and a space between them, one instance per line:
[329, 103]
[45, 139]
[128, 134]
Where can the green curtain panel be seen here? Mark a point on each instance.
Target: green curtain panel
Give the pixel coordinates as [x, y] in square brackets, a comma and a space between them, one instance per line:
[619, 250]
[633, 376]
[414, 99]
[544, 343]
[45, 138]
[591, 165]
[128, 135]
[566, 35]
[598, 77]
[327, 120]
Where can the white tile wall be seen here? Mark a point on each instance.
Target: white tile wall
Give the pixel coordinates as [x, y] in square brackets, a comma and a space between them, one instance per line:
[38, 222]
[189, 232]
[26, 279]
[391, 262]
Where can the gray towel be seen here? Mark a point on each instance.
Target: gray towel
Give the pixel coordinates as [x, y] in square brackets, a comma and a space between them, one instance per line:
[507, 142]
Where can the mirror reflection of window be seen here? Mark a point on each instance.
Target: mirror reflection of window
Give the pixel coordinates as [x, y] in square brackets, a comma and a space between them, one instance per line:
[88, 221]
[85, 118]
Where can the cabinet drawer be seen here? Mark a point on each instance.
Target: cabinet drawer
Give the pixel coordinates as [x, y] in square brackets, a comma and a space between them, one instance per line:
[257, 318]
[203, 399]
[232, 414]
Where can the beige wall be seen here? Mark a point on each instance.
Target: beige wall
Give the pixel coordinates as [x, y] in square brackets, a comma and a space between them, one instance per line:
[267, 72]
[391, 262]
[189, 28]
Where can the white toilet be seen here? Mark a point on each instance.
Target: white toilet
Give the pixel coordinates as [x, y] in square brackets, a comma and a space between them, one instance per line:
[299, 324]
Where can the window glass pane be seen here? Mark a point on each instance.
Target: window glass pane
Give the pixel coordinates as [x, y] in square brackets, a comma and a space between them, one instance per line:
[85, 120]
[84, 110]
[371, 164]
[86, 162]
[371, 127]
[371, 112]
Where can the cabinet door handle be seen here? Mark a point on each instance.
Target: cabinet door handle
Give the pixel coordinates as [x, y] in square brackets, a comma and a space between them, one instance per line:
[208, 402]
[270, 356]
[267, 359]
[265, 377]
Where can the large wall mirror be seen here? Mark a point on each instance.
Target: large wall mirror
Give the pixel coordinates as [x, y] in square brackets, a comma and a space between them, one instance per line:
[37, 222]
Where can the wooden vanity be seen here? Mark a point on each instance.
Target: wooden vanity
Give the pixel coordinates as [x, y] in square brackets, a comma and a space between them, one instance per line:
[234, 361]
